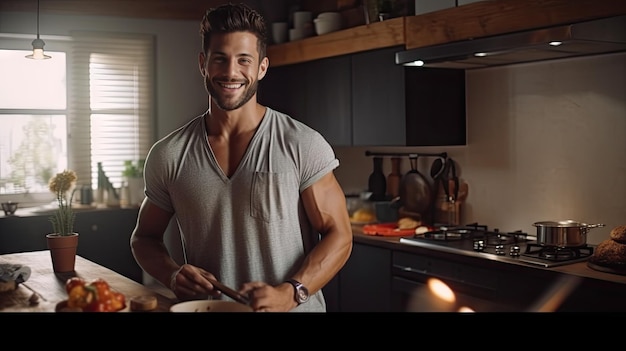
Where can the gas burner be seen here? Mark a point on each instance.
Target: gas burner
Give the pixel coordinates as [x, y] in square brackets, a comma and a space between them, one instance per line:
[499, 241]
[555, 253]
[497, 238]
[455, 233]
[445, 234]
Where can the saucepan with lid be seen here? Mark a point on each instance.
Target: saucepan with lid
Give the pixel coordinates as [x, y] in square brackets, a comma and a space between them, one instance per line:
[567, 233]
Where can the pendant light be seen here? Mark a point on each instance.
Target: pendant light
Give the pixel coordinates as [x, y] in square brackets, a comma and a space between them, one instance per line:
[38, 44]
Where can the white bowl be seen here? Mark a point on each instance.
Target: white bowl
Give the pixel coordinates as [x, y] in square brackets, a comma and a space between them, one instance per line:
[210, 306]
[332, 16]
[323, 26]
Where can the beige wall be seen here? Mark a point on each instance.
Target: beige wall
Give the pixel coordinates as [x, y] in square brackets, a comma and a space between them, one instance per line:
[546, 141]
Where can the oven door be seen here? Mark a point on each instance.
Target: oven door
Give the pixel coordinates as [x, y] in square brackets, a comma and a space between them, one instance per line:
[414, 295]
[473, 288]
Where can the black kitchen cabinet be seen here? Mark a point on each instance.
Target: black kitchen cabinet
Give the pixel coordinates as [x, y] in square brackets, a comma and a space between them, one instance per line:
[378, 100]
[365, 99]
[104, 237]
[280, 90]
[365, 280]
[435, 106]
[316, 93]
[328, 96]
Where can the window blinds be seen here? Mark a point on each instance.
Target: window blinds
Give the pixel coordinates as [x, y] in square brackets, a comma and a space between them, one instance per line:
[110, 102]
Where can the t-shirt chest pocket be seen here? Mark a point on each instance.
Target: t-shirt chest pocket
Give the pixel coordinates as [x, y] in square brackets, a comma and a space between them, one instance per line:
[270, 195]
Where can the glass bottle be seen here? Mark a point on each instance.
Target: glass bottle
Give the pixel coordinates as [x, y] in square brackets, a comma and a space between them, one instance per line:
[377, 181]
[393, 179]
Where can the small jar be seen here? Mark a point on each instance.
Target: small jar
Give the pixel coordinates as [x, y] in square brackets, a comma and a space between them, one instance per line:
[86, 195]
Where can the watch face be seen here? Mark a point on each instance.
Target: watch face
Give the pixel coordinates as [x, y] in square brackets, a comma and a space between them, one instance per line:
[303, 294]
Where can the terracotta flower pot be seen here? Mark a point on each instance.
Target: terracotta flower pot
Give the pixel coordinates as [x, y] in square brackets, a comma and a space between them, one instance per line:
[62, 251]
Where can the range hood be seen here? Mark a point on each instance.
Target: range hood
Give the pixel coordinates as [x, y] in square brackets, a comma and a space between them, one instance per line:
[602, 36]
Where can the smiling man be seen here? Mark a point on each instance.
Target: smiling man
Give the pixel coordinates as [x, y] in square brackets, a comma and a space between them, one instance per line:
[252, 189]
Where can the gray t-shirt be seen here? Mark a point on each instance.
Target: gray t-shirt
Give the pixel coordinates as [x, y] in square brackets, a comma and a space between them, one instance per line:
[252, 226]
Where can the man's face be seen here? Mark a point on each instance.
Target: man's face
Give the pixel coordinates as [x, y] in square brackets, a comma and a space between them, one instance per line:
[232, 69]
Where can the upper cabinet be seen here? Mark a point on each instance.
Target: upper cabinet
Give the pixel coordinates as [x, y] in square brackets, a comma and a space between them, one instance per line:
[378, 99]
[352, 100]
[365, 99]
[316, 93]
[479, 19]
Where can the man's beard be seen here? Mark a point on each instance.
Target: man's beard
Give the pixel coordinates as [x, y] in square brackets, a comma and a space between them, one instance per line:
[229, 105]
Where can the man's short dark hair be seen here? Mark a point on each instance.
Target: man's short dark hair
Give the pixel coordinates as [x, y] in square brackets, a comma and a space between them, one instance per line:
[229, 18]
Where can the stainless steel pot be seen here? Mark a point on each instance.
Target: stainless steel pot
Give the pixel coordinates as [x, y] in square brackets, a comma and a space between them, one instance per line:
[566, 233]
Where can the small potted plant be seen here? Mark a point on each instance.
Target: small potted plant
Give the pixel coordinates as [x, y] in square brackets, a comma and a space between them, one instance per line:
[133, 179]
[63, 241]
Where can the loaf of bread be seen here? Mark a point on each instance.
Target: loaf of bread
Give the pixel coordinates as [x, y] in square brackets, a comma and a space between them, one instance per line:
[143, 303]
[611, 253]
[408, 223]
[619, 234]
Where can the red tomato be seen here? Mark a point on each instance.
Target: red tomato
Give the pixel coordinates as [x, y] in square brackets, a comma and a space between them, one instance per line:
[118, 301]
[80, 296]
[101, 288]
[73, 282]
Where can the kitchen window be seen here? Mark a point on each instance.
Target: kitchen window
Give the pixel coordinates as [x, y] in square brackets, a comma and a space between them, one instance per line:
[91, 103]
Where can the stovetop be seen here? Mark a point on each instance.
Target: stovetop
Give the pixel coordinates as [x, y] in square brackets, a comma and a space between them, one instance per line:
[516, 246]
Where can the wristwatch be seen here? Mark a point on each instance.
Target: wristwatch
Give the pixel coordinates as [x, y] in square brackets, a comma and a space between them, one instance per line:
[301, 294]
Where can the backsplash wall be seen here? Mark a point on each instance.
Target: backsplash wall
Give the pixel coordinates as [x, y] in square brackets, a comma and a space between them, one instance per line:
[546, 141]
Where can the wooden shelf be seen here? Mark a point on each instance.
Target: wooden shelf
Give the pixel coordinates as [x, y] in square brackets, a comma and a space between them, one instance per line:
[479, 19]
[366, 37]
[487, 18]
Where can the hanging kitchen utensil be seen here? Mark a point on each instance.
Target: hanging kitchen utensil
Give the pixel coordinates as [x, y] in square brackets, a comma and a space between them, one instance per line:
[451, 189]
[377, 182]
[436, 171]
[415, 190]
[394, 177]
[450, 181]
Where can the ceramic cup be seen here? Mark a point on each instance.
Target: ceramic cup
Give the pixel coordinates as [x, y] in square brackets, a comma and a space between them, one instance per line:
[279, 32]
[302, 19]
[296, 34]
[331, 16]
[323, 26]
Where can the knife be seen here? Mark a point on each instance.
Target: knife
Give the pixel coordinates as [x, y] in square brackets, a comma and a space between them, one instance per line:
[229, 292]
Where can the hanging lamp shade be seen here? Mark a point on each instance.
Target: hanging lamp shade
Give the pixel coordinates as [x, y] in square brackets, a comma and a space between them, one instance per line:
[38, 44]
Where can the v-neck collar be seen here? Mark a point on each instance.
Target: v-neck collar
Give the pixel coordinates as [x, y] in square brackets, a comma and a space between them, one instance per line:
[246, 156]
